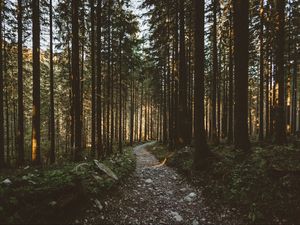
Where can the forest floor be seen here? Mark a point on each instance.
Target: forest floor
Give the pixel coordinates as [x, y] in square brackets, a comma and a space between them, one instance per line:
[156, 194]
[57, 194]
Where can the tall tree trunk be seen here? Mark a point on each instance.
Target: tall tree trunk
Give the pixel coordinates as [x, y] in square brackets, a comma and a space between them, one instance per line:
[165, 120]
[52, 110]
[132, 112]
[20, 133]
[141, 113]
[201, 148]
[35, 144]
[215, 74]
[261, 86]
[108, 81]
[267, 97]
[182, 107]
[1, 90]
[8, 134]
[241, 58]
[76, 81]
[93, 77]
[280, 133]
[120, 94]
[230, 88]
[82, 82]
[295, 93]
[176, 118]
[99, 81]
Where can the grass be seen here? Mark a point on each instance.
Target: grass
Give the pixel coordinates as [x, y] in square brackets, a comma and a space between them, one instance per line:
[55, 194]
[263, 185]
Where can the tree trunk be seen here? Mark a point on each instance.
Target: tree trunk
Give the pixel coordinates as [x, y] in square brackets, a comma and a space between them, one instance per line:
[35, 144]
[241, 57]
[76, 81]
[215, 74]
[52, 109]
[120, 94]
[93, 77]
[132, 112]
[295, 93]
[280, 131]
[182, 107]
[99, 81]
[20, 133]
[230, 91]
[201, 148]
[1, 91]
[261, 85]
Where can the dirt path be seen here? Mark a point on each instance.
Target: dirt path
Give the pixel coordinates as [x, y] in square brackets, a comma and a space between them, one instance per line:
[155, 194]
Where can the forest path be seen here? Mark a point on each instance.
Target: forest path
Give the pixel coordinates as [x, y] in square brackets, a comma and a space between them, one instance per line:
[154, 194]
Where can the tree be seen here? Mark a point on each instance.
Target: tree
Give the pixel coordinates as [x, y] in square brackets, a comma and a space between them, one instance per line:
[230, 88]
[20, 133]
[76, 80]
[201, 148]
[182, 107]
[52, 114]
[36, 129]
[215, 74]
[280, 134]
[99, 80]
[241, 57]
[1, 92]
[93, 77]
[261, 73]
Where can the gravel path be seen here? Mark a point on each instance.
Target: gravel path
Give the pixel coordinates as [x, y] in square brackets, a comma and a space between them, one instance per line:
[155, 194]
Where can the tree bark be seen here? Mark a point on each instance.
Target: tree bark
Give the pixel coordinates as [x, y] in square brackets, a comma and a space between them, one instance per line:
[93, 77]
[280, 123]
[201, 148]
[2, 161]
[261, 73]
[52, 109]
[35, 144]
[241, 58]
[76, 81]
[182, 106]
[215, 74]
[99, 81]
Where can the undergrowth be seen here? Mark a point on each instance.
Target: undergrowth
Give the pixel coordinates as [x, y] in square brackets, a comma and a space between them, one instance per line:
[50, 195]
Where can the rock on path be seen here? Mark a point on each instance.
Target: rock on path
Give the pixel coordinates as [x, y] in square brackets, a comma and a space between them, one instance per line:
[154, 195]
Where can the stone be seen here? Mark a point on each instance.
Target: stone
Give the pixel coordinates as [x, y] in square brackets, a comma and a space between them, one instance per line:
[105, 169]
[190, 197]
[176, 216]
[53, 203]
[98, 204]
[149, 181]
[195, 222]
[7, 182]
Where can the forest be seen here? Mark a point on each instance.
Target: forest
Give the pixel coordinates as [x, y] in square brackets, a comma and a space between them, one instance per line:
[149, 112]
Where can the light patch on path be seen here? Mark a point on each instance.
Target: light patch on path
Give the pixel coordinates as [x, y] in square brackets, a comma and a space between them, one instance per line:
[155, 195]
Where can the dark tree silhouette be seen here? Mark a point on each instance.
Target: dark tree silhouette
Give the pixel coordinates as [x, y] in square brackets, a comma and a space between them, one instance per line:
[201, 150]
[241, 57]
[36, 129]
